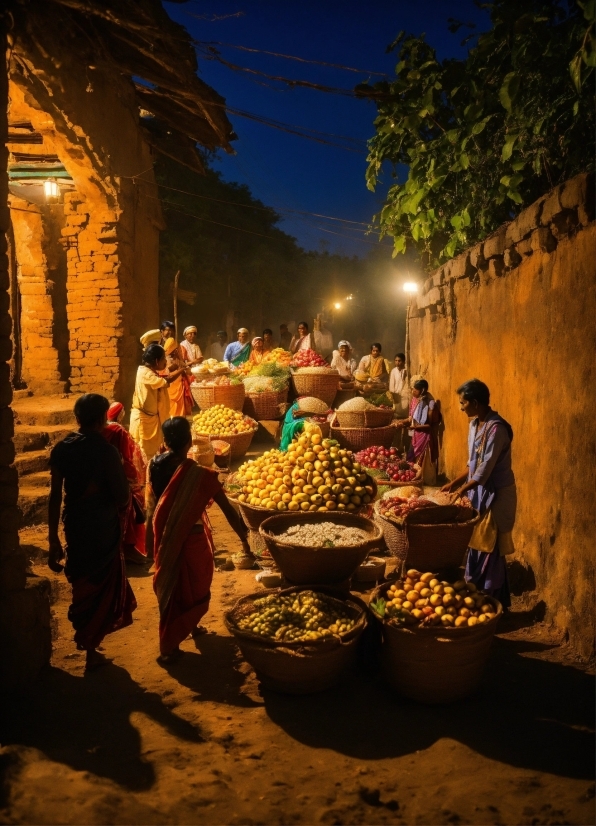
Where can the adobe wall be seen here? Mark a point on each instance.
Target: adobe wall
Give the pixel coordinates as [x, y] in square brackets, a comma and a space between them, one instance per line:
[518, 311]
[111, 226]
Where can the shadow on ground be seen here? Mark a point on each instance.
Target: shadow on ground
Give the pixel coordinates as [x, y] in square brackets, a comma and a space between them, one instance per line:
[529, 713]
[84, 722]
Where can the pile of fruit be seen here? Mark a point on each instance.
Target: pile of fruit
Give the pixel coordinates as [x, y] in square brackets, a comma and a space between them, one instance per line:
[222, 421]
[308, 358]
[299, 617]
[398, 507]
[315, 474]
[278, 355]
[425, 600]
[388, 460]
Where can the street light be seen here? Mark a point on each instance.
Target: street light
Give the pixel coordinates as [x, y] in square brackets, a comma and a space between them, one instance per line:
[410, 288]
[51, 191]
[337, 305]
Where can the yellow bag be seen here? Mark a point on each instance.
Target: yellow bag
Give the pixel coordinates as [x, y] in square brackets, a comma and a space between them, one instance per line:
[484, 537]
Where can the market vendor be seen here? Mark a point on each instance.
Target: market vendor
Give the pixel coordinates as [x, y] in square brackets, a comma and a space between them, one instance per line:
[181, 401]
[399, 388]
[218, 348]
[191, 352]
[489, 484]
[268, 343]
[257, 350]
[151, 402]
[303, 340]
[343, 362]
[423, 424]
[294, 419]
[374, 367]
[237, 352]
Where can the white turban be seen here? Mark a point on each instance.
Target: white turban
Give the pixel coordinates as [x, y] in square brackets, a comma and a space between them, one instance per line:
[191, 329]
[150, 337]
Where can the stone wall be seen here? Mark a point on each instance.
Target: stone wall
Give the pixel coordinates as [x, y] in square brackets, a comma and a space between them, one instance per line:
[25, 637]
[517, 311]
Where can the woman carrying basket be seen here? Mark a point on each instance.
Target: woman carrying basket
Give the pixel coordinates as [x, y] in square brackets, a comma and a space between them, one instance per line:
[180, 491]
[489, 484]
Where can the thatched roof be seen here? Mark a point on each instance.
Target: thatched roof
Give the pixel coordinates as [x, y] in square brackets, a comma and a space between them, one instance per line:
[138, 39]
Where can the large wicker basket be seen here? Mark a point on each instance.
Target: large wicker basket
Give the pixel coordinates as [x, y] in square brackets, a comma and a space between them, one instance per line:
[266, 406]
[319, 385]
[428, 547]
[230, 395]
[298, 667]
[239, 442]
[358, 438]
[320, 565]
[433, 664]
[364, 418]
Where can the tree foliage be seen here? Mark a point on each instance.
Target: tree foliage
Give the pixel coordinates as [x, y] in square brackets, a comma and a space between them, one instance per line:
[484, 136]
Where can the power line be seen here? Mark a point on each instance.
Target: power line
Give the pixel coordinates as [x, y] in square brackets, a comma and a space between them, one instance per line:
[209, 43]
[250, 206]
[292, 82]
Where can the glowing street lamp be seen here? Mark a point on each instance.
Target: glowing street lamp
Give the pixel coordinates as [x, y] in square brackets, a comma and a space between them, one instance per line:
[51, 191]
[337, 305]
[410, 288]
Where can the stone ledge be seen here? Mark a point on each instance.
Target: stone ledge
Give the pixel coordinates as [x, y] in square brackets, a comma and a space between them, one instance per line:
[559, 214]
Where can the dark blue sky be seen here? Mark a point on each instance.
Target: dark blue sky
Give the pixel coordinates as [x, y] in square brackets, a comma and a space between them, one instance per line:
[290, 172]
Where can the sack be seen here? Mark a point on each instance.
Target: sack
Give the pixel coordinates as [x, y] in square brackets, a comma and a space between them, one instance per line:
[484, 536]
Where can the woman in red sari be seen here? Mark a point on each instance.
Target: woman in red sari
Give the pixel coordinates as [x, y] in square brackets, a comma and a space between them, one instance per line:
[182, 543]
[133, 517]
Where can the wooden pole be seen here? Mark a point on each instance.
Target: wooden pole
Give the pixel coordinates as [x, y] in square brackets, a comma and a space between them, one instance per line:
[176, 279]
[407, 348]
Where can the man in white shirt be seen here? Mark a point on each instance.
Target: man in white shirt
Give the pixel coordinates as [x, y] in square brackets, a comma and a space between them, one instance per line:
[218, 348]
[191, 351]
[400, 392]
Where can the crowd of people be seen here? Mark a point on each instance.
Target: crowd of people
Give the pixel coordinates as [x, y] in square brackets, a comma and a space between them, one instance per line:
[135, 496]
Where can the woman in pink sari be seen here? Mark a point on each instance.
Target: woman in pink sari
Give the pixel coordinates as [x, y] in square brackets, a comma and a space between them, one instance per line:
[423, 422]
[180, 493]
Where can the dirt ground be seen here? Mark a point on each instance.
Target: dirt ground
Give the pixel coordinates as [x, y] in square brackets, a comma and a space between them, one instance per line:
[202, 743]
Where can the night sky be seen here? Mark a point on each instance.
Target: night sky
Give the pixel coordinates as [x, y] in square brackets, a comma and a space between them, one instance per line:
[287, 171]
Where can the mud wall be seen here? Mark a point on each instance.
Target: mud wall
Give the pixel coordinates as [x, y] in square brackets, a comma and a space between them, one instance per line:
[517, 311]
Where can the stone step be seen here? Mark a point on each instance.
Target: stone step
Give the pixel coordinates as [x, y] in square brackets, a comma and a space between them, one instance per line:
[38, 480]
[44, 410]
[32, 437]
[33, 502]
[33, 461]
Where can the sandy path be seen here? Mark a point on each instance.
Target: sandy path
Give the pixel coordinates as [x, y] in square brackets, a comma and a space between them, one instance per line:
[200, 743]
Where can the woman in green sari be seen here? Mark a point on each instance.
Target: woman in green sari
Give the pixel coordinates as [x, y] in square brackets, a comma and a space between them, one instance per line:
[237, 352]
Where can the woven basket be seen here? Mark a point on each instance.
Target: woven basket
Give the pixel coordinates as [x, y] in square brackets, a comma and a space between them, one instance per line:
[326, 566]
[298, 667]
[238, 442]
[364, 418]
[318, 385]
[433, 664]
[428, 547]
[358, 438]
[266, 406]
[230, 395]
[372, 572]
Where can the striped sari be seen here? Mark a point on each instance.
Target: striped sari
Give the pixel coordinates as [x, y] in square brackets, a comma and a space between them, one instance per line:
[183, 550]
